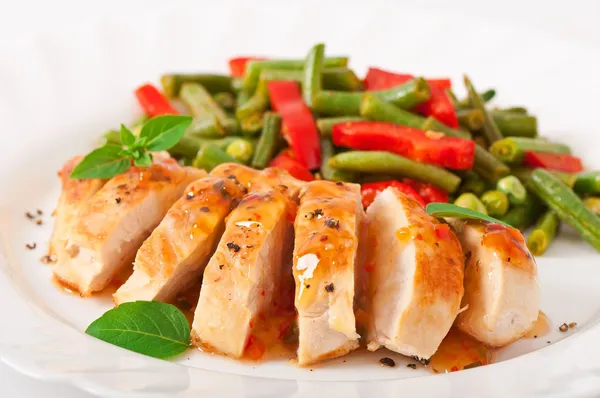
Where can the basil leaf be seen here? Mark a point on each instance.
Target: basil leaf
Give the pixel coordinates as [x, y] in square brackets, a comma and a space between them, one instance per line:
[147, 327]
[162, 132]
[104, 162]
[127, 137]
[144, 160]
[454, 211]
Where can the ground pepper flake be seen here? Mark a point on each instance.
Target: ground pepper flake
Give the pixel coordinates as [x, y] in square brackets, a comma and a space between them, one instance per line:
[29, 215]
[329, 288]
[221, 266]
[386, 361]
[204, 209]
[319, 212]
[118, 200]
[564, 327]
[233, 246]
[572, 325]
[47, 259]
[39, 222]
[412, 365]
[309, 215]
[332, 223]
[31, 246]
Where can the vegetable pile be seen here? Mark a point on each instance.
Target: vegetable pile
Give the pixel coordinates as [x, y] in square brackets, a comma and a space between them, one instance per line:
[316, 119]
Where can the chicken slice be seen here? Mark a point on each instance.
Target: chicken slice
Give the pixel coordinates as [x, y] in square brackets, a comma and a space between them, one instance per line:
[502, 294]
[173, 258]
[327, 228]
[245, 275]
[254, 179]
[416, 283]
[115, 221]
[73, 197]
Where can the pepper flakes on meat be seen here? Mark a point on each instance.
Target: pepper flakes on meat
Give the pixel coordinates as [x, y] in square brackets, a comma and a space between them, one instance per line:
[332, 223]
[329, 288]
[233, 246]
[388, 362]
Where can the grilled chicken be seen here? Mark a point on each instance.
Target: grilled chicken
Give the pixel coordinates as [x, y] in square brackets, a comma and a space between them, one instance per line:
[255, 180]
[173, 258]
[416, 283]
[327, 227]
[73, 197]
[114, 222]
[246, 272]
[502, 294]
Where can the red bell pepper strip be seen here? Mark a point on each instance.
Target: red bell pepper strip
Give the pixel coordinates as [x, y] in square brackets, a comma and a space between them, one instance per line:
[426, 147]
[237, 66]
[300, 127]
[429, 192]
[553, 161]
[292, 166]
[439, 104]
[369, 191]
[153, 102]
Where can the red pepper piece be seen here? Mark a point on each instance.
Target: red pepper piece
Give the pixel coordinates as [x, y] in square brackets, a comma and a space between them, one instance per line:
[553, 161]
[255, 349]
[369, 191]
[442, 231]
[301, 130]
[426, 147]
[292, 166]
[429, 192]
[237, 66]
[153, 102]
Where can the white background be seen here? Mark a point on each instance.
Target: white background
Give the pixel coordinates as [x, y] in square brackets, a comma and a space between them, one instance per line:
[25, 19]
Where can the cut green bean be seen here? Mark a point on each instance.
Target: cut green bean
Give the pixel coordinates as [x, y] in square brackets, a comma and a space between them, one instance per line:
[486, 96]
[189, 146]
[470, 118]
[567, 205]
[511, 109]
[342, 79]
[241, 150]
[512, 150]
[340, 103]
[495, 202]
[487, 166]
[200, 103]
[431, 123]
[254, 68]
[587, 182]
[472, 183]
[257, 104]
[490, 130]
[225, 101]
[513, 188]
[243, 96]
[206, 126]
[213, 83]
[524, 173]
[210, 156]
[325, 124]
[252, 125]
[525, 215]
[513, 124]
[374, 108]
[543, 233]
[470, 201]
[380, 162]
[313, 74]
[328, 172]
[592, 203]
[267, 143]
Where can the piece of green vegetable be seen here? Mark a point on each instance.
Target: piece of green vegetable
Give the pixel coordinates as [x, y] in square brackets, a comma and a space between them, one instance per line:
[328, 172]
[514, 124]
[313, 74]
[513, 188]
[512, 150]
[374, 108]
[487, 166]
[325, 124]
[267, 143]
[592, 203]
[567, 205]
[525, 215]
[472, 183]
[241, 150]
[470, 201]
[448, 210]
[112, 137]
[213, 83]
[206, 126]
[470, 118]
[225, 101]
[253, 124]
[587, 182]
[495, 202]
[188, 146]
[490, 130]
[486, 96]
[255, 105]
[210, 156]
[543, 233]
[200, 103]
[150, 328]
[342, 79]
[524, 173]
[380, 162]
[511, 109]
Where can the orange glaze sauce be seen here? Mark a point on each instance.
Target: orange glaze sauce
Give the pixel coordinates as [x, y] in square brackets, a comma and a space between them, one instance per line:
[541, 327]
[105, 294]
[459, 350]
[509, 243]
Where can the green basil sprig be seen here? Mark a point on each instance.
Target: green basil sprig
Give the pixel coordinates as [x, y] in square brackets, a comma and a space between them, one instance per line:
[454, 211]
[158, 134]
[147, 327]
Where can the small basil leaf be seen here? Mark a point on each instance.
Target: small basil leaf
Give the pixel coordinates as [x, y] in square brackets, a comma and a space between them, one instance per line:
[144, 160]
[103, 162]
[127, 137]
[170, 126]
[147, 327]
[454, 211]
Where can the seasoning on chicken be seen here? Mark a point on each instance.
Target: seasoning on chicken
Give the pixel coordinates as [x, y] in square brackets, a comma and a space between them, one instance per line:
[114, 222]
[327, 227]
[416, 283]
[254, 180]
[246, 274]
[73, 197]
[502, 294]
[173, 258]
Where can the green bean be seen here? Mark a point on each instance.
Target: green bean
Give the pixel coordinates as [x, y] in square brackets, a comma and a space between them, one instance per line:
[380, 162]
[189, 146]
[243, 96]
[374, 108]
[256, 104]
[567, 205]
[587, 182]
[342, 79]
[453, 98]
[313, 74]
[592, 203]
[206, 126]
[254, 68]
[523, 216]
[252, 125]
[431, 123]
[241, 150]
[524, 173]
[487, 166]
[325, 124]
[512, 124]
[511, 109]
[543, 233]
[472, 183]
[471, 118]
[512, 150]
[267, 143]
[210, 156]
[490, 130]
[482, 141]
[237, 83]
[513, 188]
[213, 83]
[407, 95]
[328, 172]
[470, 201]
[225, 101]
[486, 96]
[495, 202]
[200, 103]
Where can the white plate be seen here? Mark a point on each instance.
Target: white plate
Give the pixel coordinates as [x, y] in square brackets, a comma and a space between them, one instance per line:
[59, 92]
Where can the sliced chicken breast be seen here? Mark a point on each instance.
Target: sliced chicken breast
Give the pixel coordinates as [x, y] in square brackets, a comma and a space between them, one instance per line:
[502, 294]
[73, 197]
[245, 274]
[255, 180]
[416, 284]
[173, 258]
[327, 228]
[114, 222]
